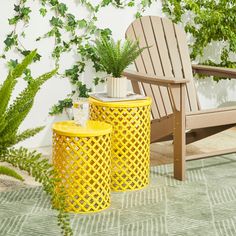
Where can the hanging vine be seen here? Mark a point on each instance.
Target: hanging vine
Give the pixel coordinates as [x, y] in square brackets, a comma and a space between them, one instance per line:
[210, 23]
[70, 33]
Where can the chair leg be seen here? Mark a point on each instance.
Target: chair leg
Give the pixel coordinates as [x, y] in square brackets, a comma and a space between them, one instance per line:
[178, 95]
[179, 147]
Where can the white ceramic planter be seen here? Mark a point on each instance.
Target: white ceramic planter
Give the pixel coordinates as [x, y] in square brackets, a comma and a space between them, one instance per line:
[117, 87]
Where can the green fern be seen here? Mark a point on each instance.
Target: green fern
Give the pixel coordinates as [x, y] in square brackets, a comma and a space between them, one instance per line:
[10, 119]
[10, 172]
[7, 87]
[115, 57]
[43, 172]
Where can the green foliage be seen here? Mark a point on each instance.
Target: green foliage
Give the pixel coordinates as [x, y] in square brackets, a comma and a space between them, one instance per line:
[98, 80]
[210, 21]
[11, 40]
[10, 172]
[59, 107]
[69, 31]
[43, 172]
[73, 74]
[115, 57]
[9, 84]
[22, 13]
[12, 115]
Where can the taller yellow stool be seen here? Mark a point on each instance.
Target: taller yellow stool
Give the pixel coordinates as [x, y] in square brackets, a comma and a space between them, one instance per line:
[130, 140]
[81, 156]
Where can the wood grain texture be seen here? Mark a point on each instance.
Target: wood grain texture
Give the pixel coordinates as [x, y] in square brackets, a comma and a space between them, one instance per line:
[176, 111]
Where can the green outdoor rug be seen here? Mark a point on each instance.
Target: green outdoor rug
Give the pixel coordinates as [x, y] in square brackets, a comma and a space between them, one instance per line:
[203, 205]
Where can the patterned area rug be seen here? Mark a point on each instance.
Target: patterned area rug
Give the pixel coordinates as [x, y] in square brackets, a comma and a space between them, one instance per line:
[203, 205]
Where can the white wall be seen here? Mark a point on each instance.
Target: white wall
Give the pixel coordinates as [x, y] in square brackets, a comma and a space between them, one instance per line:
[117, 20]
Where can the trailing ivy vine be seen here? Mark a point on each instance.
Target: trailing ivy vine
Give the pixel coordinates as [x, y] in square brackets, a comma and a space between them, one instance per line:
[70, 33]
[210, 22]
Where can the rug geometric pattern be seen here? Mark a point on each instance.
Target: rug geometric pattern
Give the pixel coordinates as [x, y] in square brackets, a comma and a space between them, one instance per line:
[204, 205]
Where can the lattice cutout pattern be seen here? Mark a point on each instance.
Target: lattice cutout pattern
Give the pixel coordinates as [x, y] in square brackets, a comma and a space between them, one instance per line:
[83, 164]
[130, 159]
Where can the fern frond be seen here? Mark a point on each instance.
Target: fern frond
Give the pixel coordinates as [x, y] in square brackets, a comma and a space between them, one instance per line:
[43, 172]
[10, 172]
[10, 82]
[115, 57]
[27, 134]
[22, 105]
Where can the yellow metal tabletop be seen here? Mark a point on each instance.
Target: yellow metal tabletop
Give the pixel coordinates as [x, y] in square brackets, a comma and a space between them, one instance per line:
[92, 128]
[130, 103]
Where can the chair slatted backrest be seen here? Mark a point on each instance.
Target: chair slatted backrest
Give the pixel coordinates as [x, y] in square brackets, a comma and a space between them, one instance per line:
[168, 56]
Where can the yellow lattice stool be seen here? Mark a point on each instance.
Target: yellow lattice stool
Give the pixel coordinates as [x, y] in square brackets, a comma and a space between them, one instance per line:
[130, 158]
[81, 156]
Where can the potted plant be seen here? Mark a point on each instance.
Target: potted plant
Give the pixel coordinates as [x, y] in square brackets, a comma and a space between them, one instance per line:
[114, 58]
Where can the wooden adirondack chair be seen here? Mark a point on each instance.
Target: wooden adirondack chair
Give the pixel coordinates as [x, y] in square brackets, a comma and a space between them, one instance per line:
[164, 73]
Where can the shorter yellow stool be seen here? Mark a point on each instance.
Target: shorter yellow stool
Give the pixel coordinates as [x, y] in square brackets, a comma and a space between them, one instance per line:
[81, 156]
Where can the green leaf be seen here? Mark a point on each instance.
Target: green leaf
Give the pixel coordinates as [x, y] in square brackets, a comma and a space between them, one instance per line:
[98, 80]
[62, 8]
[131, 4]
[70, 22]
[10, 41]
[16, 8]
[27, 52]
[10, 172]
[12, 64]
[138, 15]
[19, 109]
[43, 11]
[25, 11]
[82, 23]
[13, 20]
[27, 134]
[10, 82]
[56, 22]
[59, 107]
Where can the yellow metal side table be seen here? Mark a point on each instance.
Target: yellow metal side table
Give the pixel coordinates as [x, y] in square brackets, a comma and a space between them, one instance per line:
[81, 156]
[130, 159]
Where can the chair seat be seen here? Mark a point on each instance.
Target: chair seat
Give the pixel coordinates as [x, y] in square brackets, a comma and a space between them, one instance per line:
[211, 117]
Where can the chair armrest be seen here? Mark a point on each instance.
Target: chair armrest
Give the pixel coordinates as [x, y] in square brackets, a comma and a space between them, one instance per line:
[215, 71]
[153, 79]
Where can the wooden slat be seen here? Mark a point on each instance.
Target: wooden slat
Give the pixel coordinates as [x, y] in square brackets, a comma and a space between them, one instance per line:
[141, 68]
[216, 71]
[171, 43]
[155, 62]
[161, 128]
[172, 47]
[198, 134]
[210, 154]
[212, 110]
[165, 102]
[186, 66]
[210, 119]
[163, 51]
[137, 27]
[152, 79]
[163, 55]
